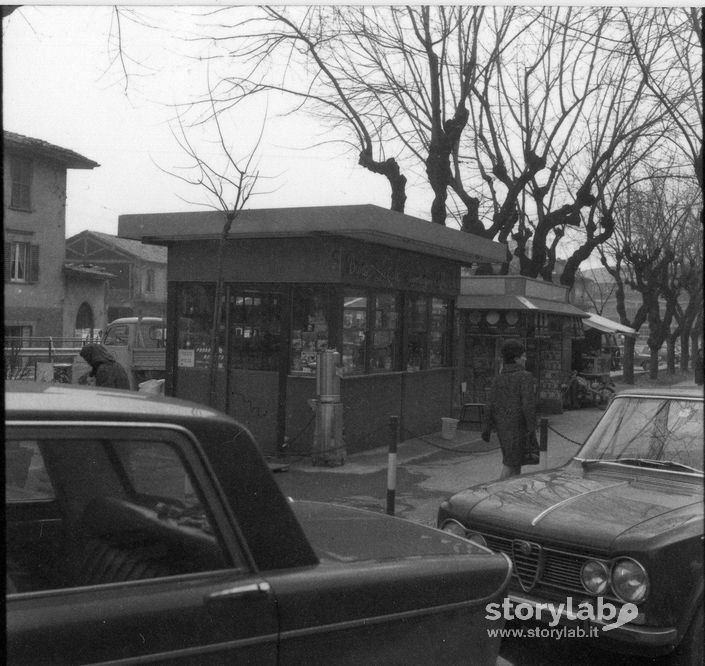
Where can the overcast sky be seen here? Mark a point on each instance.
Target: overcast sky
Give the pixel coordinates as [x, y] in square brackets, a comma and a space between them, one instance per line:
[62, 84]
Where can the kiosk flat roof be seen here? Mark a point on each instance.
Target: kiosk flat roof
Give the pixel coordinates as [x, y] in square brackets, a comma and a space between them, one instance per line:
[367, 223]
[514, 302]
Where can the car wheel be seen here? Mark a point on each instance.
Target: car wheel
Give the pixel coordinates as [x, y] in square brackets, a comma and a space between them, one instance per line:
[691, 650]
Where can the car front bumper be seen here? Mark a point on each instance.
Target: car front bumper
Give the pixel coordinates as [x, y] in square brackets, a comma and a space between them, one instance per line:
[631, 637]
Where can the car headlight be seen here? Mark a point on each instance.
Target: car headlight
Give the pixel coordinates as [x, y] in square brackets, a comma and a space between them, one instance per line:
[630, 581]
[454, 527]
[595, 577]
[476, 538]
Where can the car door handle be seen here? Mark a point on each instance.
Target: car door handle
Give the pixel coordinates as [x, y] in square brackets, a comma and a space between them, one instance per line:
[250, 590]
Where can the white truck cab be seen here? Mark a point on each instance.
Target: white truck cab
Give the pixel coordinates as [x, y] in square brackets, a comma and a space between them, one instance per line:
[139, 345]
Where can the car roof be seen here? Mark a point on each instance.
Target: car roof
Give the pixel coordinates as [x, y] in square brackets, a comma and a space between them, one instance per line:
[26, 400]
[665, 392]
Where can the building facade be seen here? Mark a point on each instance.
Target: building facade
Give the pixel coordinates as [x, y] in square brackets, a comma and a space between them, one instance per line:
[35, 177]
[494, 309]
[140, 283]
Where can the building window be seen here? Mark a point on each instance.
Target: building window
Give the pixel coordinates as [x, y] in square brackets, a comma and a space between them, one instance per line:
[21, 262]
[21, 174]
[18, 334]
[149, 288]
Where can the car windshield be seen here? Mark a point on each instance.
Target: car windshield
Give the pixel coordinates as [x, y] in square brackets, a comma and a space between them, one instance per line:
[649, 431]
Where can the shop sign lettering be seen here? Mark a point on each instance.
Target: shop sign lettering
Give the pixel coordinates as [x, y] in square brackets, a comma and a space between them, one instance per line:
[389, 271]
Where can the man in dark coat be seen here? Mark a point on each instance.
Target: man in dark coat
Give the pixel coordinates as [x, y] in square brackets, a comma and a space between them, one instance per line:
[512, 407]
[106, 370]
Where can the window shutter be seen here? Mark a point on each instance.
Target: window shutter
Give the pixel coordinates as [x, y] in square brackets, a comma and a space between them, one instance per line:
[7, 247]
[33, 263]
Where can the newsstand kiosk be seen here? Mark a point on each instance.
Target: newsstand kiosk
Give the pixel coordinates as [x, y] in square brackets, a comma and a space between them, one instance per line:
[363, 289]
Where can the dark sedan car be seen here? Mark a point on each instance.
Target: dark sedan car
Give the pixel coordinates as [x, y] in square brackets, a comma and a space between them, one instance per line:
[144, 530]
[618, 529]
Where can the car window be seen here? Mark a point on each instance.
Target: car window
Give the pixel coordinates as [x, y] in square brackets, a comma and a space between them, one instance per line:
[26, 478]
[154, 468]
[682, 439]
[117, 335]
[661, 429]
[127, 509]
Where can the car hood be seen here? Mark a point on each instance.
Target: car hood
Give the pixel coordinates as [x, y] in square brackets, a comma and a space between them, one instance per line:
[590, 508]
[345, 534]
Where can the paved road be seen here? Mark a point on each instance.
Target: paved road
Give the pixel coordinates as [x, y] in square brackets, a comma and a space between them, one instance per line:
[552, 652]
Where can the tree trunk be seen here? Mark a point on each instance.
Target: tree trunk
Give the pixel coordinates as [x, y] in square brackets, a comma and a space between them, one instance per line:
[391, 171]
[439, 177]
[628, 360]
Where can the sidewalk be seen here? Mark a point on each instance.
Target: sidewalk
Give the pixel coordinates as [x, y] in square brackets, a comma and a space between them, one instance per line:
[430, 468]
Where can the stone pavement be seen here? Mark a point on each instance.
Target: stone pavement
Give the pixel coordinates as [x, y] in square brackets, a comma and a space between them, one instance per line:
[429, 468]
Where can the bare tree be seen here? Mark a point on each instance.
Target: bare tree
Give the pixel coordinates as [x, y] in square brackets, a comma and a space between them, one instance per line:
[600, 291]
[529, 117]
[558, 118]
[300, 52]
[645, 255]
[667, 44]
[684, 288]
[229, 183]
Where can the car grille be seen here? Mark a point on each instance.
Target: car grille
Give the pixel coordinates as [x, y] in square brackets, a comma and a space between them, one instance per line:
[538, 565]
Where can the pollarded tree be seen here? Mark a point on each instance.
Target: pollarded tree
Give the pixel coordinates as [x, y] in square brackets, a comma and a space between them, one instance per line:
[684, 289]
[667, 44]
[643, 254]
[303, 53]
[557, 118]
[525, 115]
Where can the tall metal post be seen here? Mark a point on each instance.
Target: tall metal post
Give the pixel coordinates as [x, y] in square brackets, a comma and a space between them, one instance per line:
[392, 463]
[328, 443]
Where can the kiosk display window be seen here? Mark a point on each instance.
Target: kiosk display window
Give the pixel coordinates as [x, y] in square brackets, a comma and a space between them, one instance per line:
[437, 344]
[385, 334]
[255, 329]
[426, 332]
[309, 328]
[416, 332]
[195, 308]
[354, 332]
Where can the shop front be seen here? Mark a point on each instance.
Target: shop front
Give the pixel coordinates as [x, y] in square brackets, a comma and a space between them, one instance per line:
[602, 349]
[376, 286]
[496, 308]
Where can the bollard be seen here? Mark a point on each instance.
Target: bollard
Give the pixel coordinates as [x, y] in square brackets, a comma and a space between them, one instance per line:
[543, 440]
[543, 434]
[392, 463]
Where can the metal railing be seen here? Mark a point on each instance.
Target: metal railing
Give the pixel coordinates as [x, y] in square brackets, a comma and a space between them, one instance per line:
[21, 355]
